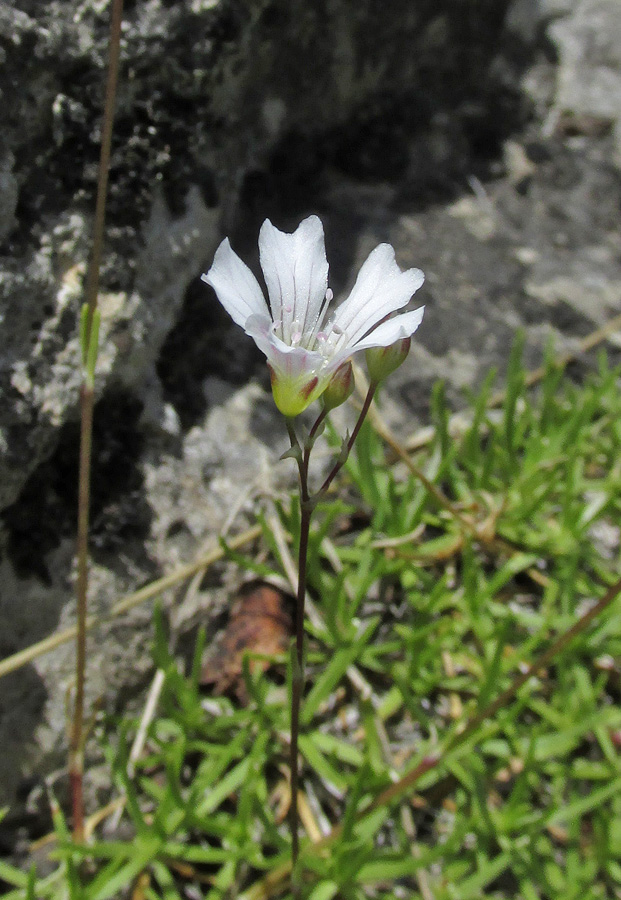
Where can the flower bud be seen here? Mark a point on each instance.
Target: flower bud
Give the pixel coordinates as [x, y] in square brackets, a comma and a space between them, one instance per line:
[340, 388]
[382, 361]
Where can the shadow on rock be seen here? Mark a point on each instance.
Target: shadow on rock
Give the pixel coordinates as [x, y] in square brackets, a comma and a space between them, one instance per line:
[46, 510]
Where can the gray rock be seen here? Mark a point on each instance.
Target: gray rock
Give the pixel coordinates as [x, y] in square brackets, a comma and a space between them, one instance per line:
[588, 40]
[8, 195]
[208, 91]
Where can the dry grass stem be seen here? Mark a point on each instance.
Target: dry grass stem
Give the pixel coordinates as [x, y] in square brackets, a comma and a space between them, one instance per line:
[148, 592]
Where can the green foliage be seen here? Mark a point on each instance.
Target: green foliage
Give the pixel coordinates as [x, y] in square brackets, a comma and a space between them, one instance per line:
[421, 624]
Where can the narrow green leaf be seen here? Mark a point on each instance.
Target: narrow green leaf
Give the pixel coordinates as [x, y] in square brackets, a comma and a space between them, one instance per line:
[229, 783]
[334, 672]
[318, 762]
[326, 890]
[114, 877]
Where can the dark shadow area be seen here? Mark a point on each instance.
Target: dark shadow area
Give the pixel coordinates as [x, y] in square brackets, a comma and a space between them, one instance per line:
[425, 139]
[467, 69]
[46, 510]
[424, 153]
[204, 342]
[164, 85]
[22, 701]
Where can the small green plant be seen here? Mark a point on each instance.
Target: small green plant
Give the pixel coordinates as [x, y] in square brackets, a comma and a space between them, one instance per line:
[308, 351]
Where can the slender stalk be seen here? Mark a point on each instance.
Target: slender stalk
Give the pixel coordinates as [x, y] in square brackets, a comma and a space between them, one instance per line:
[297, 680]
[312, 436]
[76, 742]
[338, 465]
[114, 51]
[307, 504]
[76, 756]
[297, 686]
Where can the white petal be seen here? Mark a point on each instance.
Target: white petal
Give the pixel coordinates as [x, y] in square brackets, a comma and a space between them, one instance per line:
[296, 273]
[237, 289]
[395, 329]
[381, 288]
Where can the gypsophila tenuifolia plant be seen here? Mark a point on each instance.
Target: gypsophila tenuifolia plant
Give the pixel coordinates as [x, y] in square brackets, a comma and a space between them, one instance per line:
[309, 351]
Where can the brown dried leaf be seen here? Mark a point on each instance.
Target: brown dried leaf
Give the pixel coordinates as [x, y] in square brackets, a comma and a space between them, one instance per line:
[259, 623]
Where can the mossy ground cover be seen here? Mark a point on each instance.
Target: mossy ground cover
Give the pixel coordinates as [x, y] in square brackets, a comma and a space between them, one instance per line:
[425, 608]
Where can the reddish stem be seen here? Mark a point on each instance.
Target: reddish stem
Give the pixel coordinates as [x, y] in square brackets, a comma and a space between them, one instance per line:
[297, 681]
[338, 465]
[76, 741]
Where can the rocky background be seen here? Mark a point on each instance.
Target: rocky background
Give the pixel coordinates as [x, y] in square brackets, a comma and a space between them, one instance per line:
[482, 139]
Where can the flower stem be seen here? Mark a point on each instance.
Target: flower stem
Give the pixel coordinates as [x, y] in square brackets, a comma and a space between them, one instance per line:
[297, 680]
[312, 435]
[307, 504]
[338, 465]
[297, 686]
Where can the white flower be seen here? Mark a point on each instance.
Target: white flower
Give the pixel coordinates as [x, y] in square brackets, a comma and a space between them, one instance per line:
[303, 347]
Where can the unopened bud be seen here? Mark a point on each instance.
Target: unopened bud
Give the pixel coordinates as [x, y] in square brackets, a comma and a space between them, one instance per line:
[382, 361]
[340, 388]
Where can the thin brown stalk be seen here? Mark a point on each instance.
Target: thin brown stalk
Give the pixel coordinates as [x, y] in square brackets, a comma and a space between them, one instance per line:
[338, 465]
[297, 680]
[114, 52]
[307, 504]
[76, 756]
[76, 742]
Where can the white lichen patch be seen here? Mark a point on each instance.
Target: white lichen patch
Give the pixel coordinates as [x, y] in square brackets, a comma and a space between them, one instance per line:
[20, 379]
